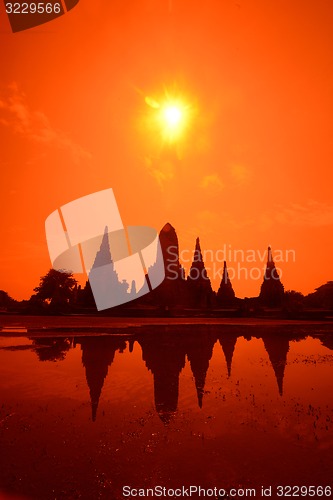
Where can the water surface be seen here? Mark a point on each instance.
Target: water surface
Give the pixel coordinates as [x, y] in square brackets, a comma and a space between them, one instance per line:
[222, 406]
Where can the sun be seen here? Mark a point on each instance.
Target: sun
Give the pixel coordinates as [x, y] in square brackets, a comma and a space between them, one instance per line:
[173, 119]
[171, 116]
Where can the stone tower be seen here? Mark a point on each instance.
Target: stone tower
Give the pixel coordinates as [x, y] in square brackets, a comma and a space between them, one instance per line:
[173, 290]
[225, 294]
[272, 290]
[199, 286]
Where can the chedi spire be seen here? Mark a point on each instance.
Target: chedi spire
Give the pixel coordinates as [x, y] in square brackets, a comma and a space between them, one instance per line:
[225, 293]
[272, 290]
[199, 285]
[172, 291]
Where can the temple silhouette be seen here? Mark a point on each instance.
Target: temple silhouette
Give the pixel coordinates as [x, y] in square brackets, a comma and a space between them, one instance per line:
[177, 290]
[173, 289]
[199, 286]
[225, 294]
[272, 290]
[108, 279]
[178, 294]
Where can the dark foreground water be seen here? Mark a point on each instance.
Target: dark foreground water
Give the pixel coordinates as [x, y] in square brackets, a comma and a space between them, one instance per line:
[215, 406]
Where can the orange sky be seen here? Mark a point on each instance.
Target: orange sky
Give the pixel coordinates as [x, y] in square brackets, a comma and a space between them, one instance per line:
[254, 169]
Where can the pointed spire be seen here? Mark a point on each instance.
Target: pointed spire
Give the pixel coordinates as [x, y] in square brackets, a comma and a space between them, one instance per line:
[199, 354]
[103, 256]
[269, 255]
[197, 257]
[228, 344]
[165, 358]
[200, 393]
[272, 290]
[131, 344]
[225, 294]
[94, 406]
[198, 273]
[198, 282]
[277, 350]
[199, 373]
[166, 390]
[225, 276]
[133, 289]
[166, 416]
[97, 355]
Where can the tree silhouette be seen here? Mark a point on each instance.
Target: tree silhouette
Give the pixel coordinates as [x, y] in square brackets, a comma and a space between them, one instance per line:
[293, 301]
[57, 287]
[5, 300]
[322, 297]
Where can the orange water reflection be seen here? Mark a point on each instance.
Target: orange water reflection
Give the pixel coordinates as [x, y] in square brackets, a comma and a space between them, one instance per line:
[83, 416]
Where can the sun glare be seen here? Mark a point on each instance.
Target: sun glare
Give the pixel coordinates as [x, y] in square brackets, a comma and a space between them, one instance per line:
[171, 116]
[173, 120]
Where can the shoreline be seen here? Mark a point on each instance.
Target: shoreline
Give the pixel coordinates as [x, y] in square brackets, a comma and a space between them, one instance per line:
[39, 326]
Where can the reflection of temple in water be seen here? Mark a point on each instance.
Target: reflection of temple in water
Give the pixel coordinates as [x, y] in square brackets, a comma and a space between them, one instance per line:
[164, 351]
[97, 356]
[164, 356]
[277, 349]
[327, 341]
[228, 343]
[199, 352]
